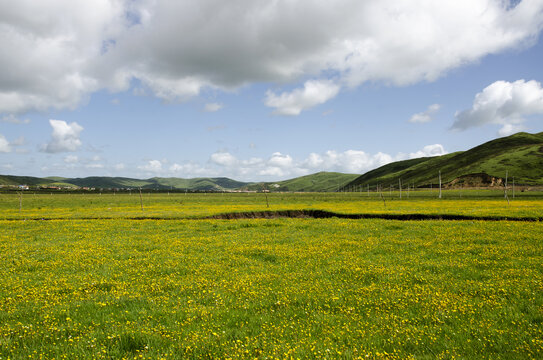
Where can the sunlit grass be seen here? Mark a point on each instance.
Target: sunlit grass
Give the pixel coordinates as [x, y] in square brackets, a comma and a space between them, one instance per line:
[300, 288]
[176, 205]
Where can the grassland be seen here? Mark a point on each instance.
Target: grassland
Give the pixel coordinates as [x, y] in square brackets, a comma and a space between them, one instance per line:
[95, 283]
[181, 206]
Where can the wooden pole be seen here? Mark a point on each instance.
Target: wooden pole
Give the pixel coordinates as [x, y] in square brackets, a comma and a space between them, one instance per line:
[141, 201]
[20, 201]
[440, 184]
[513, 187]
[400, 185]
[505, 186]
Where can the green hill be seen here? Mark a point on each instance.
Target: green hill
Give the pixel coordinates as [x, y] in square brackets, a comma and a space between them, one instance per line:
[319, 182]
[24, 180]
[158, 183]
[212, 184]
[521, 155]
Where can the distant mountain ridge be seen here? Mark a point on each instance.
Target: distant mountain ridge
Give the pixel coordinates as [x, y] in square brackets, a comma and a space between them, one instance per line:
[105, 182]
[519, 155]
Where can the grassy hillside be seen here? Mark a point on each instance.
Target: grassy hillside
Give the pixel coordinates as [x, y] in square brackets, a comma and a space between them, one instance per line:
[108, 182]
[220, 183]
[24, 180]
[319, 182]
[521, 155]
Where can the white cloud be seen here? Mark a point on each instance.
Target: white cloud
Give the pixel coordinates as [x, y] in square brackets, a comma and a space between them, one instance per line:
[279, 160]
[212, 107]
[65, 137]
[223, 159]
[314, 92]
[49, 49]
[119, 166]
[429, 150]
[350, 161]
[152, 166]
[7, 146]
[503, 103]
[425, 116]
[4, 145]
[189, 170]
[178, 48]
[71, 159]
[12, 119]
[20, 141]
[510, 129]
[280, 166]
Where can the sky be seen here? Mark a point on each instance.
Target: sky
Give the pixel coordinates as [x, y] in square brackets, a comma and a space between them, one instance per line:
[260, 90]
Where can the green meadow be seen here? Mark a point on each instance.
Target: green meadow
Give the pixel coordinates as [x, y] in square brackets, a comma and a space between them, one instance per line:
[98, 278]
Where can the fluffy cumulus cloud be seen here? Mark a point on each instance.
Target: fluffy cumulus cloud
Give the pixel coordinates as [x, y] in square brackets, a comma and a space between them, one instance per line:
[5, 147]
[178, 48]
[49, 49]
[71, 159]
[503, 103]
[292, 103]
[152, 166]
[65, 137]
[280, 166]
[425, 116]
[429, 150]
[212, 107]
[188, 170]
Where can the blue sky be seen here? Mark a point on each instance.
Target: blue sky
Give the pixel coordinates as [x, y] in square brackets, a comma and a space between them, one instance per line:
[259, 90]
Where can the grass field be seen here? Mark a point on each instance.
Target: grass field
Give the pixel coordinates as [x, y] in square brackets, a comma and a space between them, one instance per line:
[95, 283]
[180, 206]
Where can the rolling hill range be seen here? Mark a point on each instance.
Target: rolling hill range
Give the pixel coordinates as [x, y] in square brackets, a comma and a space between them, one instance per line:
[322, 181]
[157, 183]
[520, 155]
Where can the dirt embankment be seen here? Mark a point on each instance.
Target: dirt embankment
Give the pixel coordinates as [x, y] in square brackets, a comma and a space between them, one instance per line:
[479, 180]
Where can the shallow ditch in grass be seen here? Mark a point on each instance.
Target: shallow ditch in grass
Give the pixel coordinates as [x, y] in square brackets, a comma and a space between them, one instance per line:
[322, 214]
